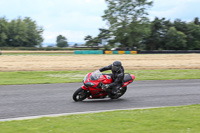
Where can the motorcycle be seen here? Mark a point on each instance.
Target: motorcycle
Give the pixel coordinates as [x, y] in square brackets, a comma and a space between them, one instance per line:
[93, 87]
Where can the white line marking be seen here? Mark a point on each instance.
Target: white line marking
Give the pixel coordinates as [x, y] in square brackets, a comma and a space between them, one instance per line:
[65, 114]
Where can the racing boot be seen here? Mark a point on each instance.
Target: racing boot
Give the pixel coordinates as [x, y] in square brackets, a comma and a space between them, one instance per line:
[114, 90]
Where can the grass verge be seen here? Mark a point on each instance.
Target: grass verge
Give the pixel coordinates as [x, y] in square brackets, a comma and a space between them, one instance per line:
[47, 77]
[182, 119]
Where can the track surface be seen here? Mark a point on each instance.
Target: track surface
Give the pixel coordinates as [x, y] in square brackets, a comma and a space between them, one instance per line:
[44, 99]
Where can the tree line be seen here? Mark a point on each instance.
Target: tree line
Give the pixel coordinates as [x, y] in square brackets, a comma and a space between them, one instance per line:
[176, 35]
[20, 33]
[24, 33]
[159, 34]
[129, 26]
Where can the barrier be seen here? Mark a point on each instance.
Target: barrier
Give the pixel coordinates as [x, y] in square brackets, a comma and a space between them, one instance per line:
[103, 52]
[89, 52]
[167, 51]
[115, 52]
[120, 52]
[134, 52]
[108, 52]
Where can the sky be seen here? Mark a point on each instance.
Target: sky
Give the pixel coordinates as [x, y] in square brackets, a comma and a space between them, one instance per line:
[76, 19]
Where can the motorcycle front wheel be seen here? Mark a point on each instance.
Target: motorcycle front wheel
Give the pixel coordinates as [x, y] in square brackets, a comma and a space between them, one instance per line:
[80, 95]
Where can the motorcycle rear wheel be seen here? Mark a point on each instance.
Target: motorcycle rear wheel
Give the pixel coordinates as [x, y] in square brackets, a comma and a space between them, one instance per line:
[121, 93]
[80, 95]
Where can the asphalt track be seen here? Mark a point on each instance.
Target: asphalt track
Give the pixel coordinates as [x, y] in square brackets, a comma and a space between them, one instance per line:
[44, 99]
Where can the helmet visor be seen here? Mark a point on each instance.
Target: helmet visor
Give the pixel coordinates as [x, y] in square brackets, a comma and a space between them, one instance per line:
[115, 68]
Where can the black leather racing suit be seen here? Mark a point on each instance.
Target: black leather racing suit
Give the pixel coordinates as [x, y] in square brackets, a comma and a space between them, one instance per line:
[117, 77]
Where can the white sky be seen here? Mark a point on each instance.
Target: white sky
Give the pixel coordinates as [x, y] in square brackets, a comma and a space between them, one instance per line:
[76, 19]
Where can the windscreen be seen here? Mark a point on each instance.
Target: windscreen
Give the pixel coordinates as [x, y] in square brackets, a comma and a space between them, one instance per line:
[95, 75]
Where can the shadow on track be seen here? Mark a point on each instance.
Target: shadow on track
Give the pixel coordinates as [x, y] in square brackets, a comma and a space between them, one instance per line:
[102, 101]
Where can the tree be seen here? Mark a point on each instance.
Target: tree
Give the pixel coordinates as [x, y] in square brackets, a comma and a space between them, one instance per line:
[175, 40]
[193, 37]
[61, 41]
[103, 36]
[154, 40]
[191, 30]
[17, 33]
[89, 40]
[20, 32]
[138, 32]
[33, 32]
[75, 45]
[124, 17]
[3, 31]
[158, 30]
[196, 21]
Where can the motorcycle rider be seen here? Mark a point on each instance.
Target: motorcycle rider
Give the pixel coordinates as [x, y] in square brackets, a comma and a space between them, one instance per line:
[117, 76]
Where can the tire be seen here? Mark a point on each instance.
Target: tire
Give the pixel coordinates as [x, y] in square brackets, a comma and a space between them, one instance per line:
[80, 95]
[122, 90]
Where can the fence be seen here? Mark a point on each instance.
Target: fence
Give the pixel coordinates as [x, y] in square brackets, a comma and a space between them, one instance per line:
[103, 52]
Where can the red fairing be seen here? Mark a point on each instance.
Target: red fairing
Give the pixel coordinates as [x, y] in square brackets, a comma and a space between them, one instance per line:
[133, 77]
[84, 88]
[107, 79]
[127, 83]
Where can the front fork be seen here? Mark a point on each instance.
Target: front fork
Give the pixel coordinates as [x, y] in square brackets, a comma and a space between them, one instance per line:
[88, 91]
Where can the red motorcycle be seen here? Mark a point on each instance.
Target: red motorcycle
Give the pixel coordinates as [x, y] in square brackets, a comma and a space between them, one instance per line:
[93, 86]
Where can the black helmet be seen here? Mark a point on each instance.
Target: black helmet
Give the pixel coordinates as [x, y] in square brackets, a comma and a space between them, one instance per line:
[116, 66]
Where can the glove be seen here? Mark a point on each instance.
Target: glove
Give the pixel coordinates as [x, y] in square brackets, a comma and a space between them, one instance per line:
[105, 87]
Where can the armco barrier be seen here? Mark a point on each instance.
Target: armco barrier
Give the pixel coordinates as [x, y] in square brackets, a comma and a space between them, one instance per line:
[120, 52]
[89, 52]
[103, 52]
[108, 52]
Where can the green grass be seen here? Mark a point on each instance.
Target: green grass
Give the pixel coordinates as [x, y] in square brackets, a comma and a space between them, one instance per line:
[40, 77]
[168, 74]
[185, 119]
[47, 77]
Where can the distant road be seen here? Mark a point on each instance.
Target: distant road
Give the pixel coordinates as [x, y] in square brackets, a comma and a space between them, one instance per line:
[44, 99]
